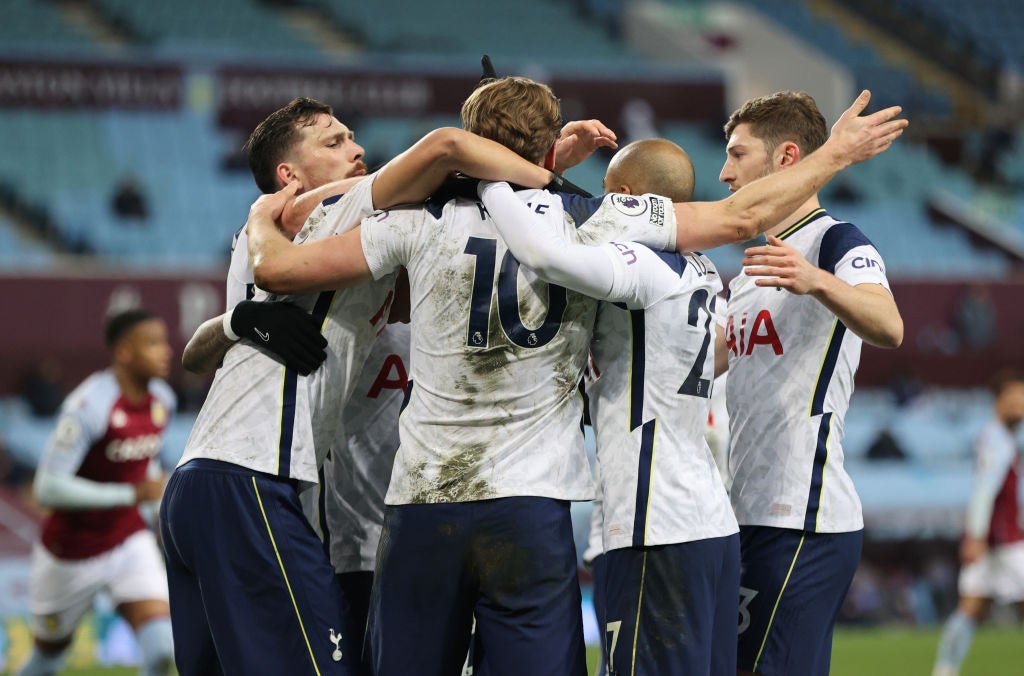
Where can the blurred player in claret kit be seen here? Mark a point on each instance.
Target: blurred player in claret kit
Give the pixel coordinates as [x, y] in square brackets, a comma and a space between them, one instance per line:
[795, 322]
[100, 463]
[992, 551]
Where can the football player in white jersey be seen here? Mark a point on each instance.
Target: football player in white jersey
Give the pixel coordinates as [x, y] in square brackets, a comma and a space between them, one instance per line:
[992, 550]
[670, 543]
[100, 464]
[796, 318]
[231, 517]
[470, 431]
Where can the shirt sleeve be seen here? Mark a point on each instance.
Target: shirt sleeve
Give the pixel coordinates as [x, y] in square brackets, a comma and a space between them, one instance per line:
[847, 253]
[337, 216]
[995, 454]
[240, 284]
[626, 272]
[647, 219]
[390, 238]
[81, 423]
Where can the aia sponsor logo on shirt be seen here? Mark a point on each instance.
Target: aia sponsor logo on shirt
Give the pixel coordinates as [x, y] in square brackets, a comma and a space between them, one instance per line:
[741, 340]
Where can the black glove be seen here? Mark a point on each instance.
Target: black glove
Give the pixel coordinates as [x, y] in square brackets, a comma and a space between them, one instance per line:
[285, 329]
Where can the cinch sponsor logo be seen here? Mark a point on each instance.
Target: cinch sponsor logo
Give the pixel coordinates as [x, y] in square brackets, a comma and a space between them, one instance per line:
[862, 263]
[762, 332]
[134, 448]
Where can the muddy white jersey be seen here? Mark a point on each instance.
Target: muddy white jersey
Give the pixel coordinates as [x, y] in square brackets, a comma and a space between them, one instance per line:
[240, 284]
[650, 407]
[357, 473]
[268, 418]
[497, 354]
[791, 369]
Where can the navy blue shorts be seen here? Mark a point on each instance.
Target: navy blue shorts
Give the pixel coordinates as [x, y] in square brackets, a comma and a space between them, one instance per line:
[355, 588]
[251, 589]
[510, 561]
[671, 609]
[599, 570]
[791, 588]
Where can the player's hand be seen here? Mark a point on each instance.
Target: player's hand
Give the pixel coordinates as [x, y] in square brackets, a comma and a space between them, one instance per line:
[271, 206]
[285, 329]
[149, 490]
[972, 549]
[578, 141]
[780, 265]
[857, 137]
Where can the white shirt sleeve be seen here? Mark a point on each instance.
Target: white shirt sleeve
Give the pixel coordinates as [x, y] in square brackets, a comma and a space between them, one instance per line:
[67, 491]
[240, 279]
[862, 265]
[995, 454]
[82, 421]
[390, 238]
[625, 272]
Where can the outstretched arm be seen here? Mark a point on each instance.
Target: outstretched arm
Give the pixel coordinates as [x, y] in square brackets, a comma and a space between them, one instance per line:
[419, 171]
[617, 271]
[765, 202]
[282, 267]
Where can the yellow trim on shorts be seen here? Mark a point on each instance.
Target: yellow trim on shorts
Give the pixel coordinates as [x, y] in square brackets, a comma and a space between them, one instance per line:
[277, 553]
[771, 619]
[639, 605]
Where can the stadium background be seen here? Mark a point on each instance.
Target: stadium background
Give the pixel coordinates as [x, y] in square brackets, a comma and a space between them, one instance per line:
[98, 93]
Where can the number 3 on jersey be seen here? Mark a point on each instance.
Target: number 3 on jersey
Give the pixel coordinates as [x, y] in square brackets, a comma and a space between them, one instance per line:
[509, 313]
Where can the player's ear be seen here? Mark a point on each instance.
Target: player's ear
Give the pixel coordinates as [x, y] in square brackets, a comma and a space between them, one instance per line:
[787, 154]
[549, 159]
[624, 189]
[286, 174]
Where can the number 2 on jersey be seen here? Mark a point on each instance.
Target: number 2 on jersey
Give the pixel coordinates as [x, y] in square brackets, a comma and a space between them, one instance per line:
[695, 384]
[509, 313]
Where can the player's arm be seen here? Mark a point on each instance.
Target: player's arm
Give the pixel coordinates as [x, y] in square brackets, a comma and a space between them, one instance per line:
[280, 266]
[56, 484]
[994, 461]
[866, 309]
[419, 171]
[285, 329]
[616, 271]
[765, 202]
[338, 262]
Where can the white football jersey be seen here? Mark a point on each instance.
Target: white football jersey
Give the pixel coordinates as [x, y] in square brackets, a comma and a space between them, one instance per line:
[357, 473]
[791, 368]
[497, 354]
[268, 418]
[650, 407]
[240, 283]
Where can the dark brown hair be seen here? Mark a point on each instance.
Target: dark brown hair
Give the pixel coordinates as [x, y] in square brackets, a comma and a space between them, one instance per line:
[780, 117]
[274, 137]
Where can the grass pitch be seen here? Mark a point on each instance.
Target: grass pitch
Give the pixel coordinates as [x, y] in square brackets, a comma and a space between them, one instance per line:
[997, 651]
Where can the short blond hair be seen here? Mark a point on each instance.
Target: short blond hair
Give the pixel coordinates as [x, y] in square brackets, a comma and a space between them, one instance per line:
[518, 113]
